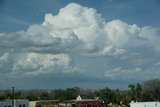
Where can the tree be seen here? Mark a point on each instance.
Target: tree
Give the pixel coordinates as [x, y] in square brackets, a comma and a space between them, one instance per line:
[59, 94]
[106, 95]
[33, 94]
[72, 93]
[151, 90]
[132, 91]
[44, 95]
[135, 91]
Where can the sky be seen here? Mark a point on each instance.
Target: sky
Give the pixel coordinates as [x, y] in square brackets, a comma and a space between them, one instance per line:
[50, 44]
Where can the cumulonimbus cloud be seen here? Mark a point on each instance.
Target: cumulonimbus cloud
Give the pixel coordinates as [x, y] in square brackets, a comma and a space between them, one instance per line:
[74, 30]
[81, 29]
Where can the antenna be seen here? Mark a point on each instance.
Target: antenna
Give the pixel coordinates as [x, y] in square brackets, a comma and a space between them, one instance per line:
[12, 96]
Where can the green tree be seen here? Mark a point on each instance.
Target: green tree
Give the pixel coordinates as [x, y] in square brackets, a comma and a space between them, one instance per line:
[135, 91]
[33, 94]
[59, 94]
[72, 93]
[106, 95]
[151, 90]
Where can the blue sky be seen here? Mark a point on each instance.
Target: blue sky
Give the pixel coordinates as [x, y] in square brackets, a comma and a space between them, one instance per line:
[87, 43]
[18, 17]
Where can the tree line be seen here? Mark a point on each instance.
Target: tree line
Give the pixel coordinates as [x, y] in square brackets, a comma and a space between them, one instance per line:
[147, 91]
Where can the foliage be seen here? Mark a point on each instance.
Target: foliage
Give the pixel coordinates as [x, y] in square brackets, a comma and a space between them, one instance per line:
[151, 90]
[135, 92]
[148, 91]
[66, 94]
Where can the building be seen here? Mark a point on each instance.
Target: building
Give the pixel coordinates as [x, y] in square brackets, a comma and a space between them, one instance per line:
[145, 104]
[17, 103]
[44, 103]
[79, 102]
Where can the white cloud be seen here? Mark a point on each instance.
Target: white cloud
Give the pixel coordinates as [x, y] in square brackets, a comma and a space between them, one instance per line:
[157, 64]
[120, 32]
[125, 74]
[32, 64]
[3, 61]
[80, 29]
[85, 23]
[119, 73]
[50, 47]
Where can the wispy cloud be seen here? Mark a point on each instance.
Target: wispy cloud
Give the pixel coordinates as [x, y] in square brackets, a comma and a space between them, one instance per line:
[13, 20]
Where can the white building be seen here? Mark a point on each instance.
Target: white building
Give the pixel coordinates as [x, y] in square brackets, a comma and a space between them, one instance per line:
[44, 103]
[17, 103]
[145, 104]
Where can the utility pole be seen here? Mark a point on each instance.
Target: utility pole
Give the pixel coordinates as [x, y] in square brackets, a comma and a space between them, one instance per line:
[12, 96]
